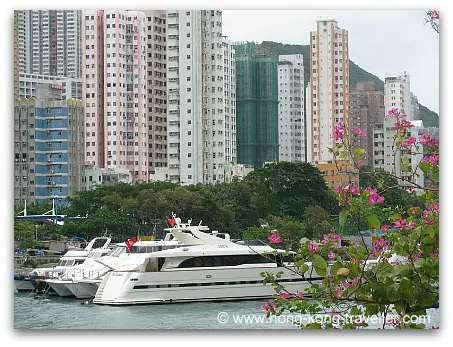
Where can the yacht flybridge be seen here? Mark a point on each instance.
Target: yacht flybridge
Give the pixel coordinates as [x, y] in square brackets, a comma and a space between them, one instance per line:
[209, 267]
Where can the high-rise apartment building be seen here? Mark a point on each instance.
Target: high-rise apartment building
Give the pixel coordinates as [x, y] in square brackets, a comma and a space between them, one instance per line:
[257, 106]
[49, 42]
[328, 97]
[367, 110]
[397, 95]
[48, 146]
[16, 54]
[156, 90]
[28, 85]
[196, 97]
[291, 115]
[229, 100]
[114, 90]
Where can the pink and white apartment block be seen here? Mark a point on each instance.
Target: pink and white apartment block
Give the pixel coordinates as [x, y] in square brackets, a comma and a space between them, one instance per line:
[114, 73]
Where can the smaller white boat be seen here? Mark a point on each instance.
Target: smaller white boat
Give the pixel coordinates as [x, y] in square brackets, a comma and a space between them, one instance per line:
[36, 279]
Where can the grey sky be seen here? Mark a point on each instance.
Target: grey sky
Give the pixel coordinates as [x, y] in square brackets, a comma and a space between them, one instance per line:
[383, 42]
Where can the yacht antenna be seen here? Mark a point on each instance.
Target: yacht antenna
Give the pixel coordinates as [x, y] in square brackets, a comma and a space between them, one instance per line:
[199, 224]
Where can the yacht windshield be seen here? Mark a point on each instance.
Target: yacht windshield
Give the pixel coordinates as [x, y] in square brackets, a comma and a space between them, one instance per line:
[66, 263]
[117, 251]
[251, 243]
[150, 249]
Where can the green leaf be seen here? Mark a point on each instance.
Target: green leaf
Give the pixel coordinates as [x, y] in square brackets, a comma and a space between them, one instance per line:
[373, 222]
[403, 270]
[319, 261]
[395, 217]
[304, 268]
[405, 287]
[359, 151]
[425, 167]
[304, 240]
[343, 217]
[320, 271]
[392, 291]
[419, 263]
[334, 268]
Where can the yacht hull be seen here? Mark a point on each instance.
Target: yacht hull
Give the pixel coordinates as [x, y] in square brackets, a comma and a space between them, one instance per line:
[60, 288]
[83, 290]
[41, 286]
[24, 285]
[126, 288]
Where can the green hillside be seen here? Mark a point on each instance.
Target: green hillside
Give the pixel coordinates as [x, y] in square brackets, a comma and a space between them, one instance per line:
[357, 74]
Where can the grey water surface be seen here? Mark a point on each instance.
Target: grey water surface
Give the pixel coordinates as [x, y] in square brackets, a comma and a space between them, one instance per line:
[52, 312]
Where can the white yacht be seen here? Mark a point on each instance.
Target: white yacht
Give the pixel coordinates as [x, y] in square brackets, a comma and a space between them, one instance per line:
[209, 267]
[83, 280]
[70, 259]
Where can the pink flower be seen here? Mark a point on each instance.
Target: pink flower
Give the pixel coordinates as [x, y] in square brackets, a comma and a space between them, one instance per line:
[313, 247]
[434, 207]
[435, 255]
[411, 189]
[433, 14]
[339, 292]
[361, 162]
[274, 238]
[408, 143]
[427, 140]
[353, 189]
[331, 255]
[299, 294]
[374, 197]
[358, 132]
[331, 238]
[339, 131]
[381, 243]
[402, 124]
[284, 295]
[269, 306]
[432, 159]
[427, 221]
[399, 223]
[385, 228]
[410, 225]
[394, 112]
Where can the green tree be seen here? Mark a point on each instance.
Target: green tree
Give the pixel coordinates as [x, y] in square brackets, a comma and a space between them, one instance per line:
[287, 189]
[317, 222]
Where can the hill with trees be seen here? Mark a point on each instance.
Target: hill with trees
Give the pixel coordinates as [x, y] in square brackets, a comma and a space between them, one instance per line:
[357, 74]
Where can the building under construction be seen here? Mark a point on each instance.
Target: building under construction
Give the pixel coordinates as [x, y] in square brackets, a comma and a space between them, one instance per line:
[256, 106]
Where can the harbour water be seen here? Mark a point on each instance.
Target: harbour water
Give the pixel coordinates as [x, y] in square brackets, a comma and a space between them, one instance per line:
[53, 312]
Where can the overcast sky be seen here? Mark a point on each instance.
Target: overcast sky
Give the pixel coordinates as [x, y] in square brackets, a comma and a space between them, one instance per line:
[383, 42]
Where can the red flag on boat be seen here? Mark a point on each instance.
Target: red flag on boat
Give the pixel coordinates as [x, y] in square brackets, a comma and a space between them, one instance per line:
[130, 242]
[171, 221]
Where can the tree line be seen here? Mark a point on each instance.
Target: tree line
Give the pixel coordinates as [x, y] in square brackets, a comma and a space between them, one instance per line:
[291, 197]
